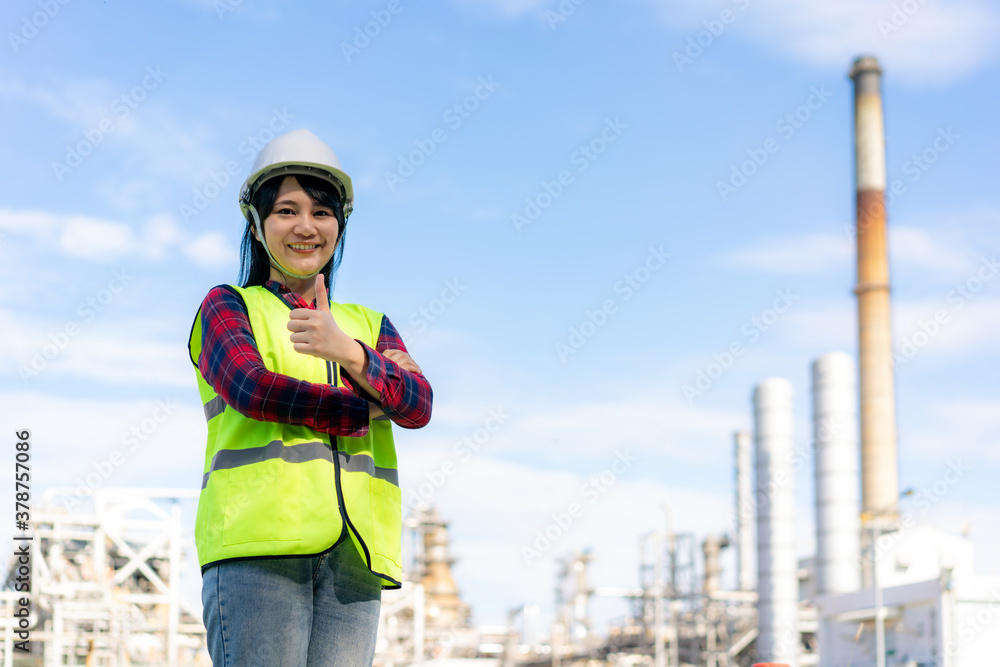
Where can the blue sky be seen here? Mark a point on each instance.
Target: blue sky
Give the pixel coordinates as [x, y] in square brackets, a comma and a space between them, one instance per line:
[128, 129]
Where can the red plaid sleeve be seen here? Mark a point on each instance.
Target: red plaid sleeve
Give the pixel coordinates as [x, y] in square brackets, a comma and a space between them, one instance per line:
[406, 396]
[232, 365]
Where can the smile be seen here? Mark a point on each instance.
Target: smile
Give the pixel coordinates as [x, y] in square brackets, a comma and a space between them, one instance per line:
[303, 247]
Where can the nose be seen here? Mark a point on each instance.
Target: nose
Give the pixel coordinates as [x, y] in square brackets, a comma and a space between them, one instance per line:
[305, 225]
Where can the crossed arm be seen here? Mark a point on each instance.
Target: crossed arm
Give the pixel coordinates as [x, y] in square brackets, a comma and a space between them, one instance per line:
[386, 376]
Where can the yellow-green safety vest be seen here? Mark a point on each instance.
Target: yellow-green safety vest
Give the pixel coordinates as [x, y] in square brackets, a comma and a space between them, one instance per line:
[272, 489]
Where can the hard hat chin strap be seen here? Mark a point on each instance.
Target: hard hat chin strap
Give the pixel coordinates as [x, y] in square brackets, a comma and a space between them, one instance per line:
[274, 262]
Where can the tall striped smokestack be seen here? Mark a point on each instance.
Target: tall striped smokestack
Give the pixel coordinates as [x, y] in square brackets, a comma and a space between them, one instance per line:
[879, 466]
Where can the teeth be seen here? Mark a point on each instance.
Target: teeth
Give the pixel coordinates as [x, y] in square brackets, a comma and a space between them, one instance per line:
[302, 246]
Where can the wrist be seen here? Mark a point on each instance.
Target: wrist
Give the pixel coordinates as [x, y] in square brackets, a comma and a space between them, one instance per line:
[355, 361]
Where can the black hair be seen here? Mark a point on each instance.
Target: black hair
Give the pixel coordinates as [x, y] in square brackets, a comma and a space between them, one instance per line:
[255, 267]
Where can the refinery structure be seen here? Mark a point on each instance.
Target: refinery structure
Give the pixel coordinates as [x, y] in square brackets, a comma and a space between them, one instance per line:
[882, 589]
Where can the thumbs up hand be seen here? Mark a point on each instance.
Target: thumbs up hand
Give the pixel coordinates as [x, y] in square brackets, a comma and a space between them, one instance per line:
[315, 332]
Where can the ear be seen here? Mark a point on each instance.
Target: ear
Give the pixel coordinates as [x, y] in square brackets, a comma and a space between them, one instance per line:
[251, 223]
[253, 231]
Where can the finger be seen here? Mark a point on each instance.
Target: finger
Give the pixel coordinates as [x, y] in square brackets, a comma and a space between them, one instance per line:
[322, 300]
[394, 356]
[300, 314]
[409, 365]
[302, 348]
[403, 360]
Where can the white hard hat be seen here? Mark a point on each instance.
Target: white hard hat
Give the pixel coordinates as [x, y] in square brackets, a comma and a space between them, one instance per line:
[298, 152]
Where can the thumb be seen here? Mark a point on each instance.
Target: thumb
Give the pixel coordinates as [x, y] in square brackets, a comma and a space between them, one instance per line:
[322, 300]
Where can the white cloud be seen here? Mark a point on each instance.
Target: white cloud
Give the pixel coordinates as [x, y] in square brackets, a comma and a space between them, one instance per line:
[497, 510]
[823, 326]
[211, 250]
[161, 232]
[95, 344]
[945, 328]
[82, 102]
[933, 43]
[937, 43]
[591, 427]
[654, 421]
[98, 240]
[106, 241]
[957, 427]
[940, 251]
[144, 131]
[70, 434]
[505, 8]
[39, 224]
[129, 192]
[936, 250]
[924, 330]
[108, 357]
[811, 253]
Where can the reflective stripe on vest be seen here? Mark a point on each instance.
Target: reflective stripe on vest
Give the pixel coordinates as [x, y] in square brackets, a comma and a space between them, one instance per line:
[306, 451]
[271, 489]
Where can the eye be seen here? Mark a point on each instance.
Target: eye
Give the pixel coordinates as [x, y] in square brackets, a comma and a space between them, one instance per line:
[285, 211]
[323, 211]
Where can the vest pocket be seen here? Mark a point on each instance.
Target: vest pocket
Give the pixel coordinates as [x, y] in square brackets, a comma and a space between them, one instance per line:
[263, 505]
[387, 519]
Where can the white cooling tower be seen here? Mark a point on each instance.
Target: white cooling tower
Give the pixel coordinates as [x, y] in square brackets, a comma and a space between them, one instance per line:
[745, 513]
[777, 569]
[835, 432]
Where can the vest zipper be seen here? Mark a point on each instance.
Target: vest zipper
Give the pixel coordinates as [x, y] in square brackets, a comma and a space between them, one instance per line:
[333, 378]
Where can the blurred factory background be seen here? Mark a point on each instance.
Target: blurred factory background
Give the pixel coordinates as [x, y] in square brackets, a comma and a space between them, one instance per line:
[881, 590]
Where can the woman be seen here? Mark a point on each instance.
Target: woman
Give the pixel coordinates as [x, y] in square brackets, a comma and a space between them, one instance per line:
[299, 519]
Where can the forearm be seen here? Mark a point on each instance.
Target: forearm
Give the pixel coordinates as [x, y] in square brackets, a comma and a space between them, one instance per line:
[231, 363]
[283, 399]
[405, 396]
[356, 367]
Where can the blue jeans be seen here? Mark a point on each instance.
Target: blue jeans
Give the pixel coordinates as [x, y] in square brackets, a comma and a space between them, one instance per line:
[319, 611]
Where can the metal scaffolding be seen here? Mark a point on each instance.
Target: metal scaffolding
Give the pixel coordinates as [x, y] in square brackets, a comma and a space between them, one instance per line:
[106, 581]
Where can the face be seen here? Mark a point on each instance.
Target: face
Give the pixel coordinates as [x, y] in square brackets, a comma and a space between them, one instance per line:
[301, 233]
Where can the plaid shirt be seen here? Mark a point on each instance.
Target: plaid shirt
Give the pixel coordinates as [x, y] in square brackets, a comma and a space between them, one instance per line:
[232, 365]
